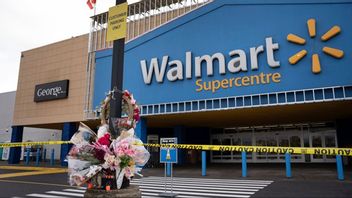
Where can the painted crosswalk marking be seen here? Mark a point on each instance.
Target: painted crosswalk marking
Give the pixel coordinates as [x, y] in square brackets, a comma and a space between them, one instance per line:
[183, 187]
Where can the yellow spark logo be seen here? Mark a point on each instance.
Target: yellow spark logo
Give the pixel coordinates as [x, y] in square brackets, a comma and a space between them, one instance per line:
[336, 53]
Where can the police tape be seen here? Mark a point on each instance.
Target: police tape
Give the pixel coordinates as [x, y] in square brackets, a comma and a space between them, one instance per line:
[19, 144]
[259, 149]
[221, 148]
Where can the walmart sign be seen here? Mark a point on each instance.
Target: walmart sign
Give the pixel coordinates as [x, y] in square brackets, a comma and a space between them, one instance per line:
[233, 48]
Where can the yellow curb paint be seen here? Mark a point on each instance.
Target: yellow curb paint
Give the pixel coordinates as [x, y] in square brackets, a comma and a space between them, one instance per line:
[21, 174]
[35, 183]
[29, 168]
[30, 171]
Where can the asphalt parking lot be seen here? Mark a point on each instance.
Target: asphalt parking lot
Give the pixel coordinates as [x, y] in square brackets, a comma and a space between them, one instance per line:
[315, 180]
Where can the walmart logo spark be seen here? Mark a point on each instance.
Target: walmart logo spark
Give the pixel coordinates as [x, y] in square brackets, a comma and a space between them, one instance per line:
[336, 53]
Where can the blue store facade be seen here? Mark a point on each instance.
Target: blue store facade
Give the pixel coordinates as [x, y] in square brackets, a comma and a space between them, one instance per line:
[243, 72]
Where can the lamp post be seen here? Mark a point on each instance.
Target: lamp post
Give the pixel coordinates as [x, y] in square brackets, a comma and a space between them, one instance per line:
[117, 78]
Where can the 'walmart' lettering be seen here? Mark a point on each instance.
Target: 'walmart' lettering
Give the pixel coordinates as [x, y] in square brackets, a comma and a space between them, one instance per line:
[237, 63]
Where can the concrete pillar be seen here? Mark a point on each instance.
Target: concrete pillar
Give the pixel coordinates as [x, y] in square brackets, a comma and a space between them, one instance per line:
[67, 132]
[344, 137]
[141, 130]
[15, 152]
[179, 132]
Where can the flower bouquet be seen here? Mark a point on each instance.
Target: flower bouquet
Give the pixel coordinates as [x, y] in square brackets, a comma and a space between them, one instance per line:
[103, 162]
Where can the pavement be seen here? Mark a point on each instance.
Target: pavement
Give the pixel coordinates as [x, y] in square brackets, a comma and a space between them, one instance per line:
[308, 180]
[275, 171]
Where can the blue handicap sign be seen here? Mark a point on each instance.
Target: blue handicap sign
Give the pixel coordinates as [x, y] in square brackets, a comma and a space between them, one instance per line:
[168, 155]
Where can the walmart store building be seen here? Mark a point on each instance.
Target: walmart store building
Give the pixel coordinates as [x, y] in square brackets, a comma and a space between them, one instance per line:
[274, 73]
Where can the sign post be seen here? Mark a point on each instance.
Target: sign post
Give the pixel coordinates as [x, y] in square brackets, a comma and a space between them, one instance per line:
[168, 156]
[117, 32]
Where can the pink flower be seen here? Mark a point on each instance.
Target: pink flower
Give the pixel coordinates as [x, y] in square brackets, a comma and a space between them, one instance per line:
[130, 152]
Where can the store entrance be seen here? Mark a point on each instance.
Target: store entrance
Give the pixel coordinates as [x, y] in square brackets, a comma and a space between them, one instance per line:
[323, 139]
[299, 135]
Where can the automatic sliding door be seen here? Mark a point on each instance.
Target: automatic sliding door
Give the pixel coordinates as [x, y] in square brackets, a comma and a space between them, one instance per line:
[271, 141]
[237, 156]
[215, 155]
[323, 139]
[260, 140]
[247, 141]
[221, 156]
[226, 155]
[330, 141]
[296, 141]
[283, 142]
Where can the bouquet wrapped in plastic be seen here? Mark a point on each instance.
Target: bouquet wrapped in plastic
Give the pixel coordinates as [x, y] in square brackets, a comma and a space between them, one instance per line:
[103, 162]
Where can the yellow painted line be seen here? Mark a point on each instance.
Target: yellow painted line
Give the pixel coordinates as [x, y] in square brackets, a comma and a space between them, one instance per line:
[35, 183]
[29, 168]
[21, 174]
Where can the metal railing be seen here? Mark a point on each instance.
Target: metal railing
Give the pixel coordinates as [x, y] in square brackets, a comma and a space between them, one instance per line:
[143, 17]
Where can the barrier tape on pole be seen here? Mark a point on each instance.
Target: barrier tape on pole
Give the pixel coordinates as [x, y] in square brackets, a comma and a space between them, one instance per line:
[223, 148]
[260, 149]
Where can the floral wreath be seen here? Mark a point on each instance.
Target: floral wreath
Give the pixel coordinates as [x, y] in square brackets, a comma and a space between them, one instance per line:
[130, 119]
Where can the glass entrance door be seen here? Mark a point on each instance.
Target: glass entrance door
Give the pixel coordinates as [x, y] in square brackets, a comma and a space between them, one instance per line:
[221, 156]
[230, 139]
[323, 139]
[284, 139]
[312, 135]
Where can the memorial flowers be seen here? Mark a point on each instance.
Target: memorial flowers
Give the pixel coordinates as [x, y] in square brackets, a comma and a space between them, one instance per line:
[101, 161]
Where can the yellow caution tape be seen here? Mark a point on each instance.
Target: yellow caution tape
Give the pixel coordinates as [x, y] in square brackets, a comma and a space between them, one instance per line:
[260, 149]
[18, 144]
[222, 148]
